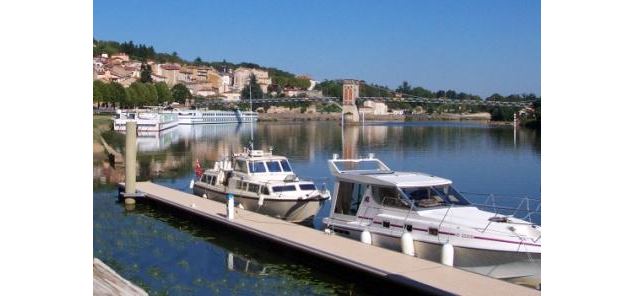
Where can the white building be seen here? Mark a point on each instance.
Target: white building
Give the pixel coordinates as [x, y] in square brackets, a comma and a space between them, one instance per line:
[375, 108]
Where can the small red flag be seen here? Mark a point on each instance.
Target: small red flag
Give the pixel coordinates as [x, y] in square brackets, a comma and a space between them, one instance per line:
[197, 169]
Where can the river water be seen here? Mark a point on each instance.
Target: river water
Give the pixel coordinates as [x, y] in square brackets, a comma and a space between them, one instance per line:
[172, 255]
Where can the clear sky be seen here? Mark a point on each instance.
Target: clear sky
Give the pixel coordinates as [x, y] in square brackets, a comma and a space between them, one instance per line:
[479, 47]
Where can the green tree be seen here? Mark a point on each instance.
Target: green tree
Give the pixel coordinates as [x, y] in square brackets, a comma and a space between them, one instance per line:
[163, 92]
[142, 94]
[132, 97]
[98, 92]
[153, 98]
[450, 94]
[180, 93]
[119, 94]
[330, 88]
[495, 97]
[404, 88]
[198, 61]
[146, 73]
[421, 92]
[256, 92]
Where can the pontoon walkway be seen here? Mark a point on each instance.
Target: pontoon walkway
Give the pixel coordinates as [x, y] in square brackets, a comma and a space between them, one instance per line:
[423, 275]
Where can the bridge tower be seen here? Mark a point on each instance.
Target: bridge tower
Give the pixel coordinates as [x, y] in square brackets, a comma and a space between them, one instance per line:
[350, 93]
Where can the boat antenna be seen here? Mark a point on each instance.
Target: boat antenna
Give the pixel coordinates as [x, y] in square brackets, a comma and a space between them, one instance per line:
[251, 123]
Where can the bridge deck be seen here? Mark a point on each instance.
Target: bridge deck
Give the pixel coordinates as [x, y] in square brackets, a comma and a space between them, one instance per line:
[417, 273]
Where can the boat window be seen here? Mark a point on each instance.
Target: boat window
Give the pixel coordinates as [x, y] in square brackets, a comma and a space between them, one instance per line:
[426, 197]
[307, 187]
[205, 178]
[213, 181]
[285, 165]
[273, 166]
[387, 196]
[257, 167]
[253, 188]
[264, 190]
[283, 188]
[243, 186]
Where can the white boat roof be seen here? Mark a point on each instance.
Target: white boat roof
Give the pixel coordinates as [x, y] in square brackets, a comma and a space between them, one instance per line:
[258, 155]
[373, 171]
[400, 179]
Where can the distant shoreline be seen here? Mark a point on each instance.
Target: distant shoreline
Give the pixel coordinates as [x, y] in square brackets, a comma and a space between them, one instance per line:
[290, 116]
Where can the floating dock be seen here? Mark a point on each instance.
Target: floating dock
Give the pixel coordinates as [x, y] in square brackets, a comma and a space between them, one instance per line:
[414, 273]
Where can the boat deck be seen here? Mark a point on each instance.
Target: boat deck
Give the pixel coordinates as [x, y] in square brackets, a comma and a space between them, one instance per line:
[426, 276]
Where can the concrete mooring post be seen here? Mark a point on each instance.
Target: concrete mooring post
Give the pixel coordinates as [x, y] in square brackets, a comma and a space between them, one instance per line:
[131, 162]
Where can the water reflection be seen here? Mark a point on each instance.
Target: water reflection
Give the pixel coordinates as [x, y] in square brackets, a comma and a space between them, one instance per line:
[469, 153]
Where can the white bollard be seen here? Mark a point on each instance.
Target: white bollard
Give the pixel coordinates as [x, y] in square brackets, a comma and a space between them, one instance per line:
[407, 244]
[327, 231]
[366, 238]
[204, 195]
[192, 184]
[230, 206]
[447, 254]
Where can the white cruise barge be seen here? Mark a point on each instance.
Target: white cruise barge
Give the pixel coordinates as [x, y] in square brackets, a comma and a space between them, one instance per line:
[147, 121]
[215, 116]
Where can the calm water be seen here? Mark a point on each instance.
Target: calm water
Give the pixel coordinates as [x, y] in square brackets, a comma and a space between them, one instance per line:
[168, 254]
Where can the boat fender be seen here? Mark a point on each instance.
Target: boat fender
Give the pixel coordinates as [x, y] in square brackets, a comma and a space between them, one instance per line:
[407, 244]
[230, 206]
[204, 195]
[192, 184]
[261, 200]
[366, 237]
[447, 254]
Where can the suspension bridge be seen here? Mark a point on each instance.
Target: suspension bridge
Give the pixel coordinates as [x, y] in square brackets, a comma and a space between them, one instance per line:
[360, 100]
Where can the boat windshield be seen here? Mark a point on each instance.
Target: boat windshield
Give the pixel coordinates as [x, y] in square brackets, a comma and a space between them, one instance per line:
[432, 196]
[285, 165]
[273, 166]
[257, 167]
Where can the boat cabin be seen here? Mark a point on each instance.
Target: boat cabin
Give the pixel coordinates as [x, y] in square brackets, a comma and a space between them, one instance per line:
[370, 186]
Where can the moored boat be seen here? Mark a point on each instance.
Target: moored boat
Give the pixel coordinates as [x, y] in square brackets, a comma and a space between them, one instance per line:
[263, 183]
[203, 116]
[390, 206]
[147, 121]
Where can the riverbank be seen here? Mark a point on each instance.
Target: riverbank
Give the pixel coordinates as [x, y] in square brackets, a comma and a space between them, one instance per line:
[101, 124]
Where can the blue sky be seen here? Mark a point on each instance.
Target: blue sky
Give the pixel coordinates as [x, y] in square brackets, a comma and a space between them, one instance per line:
[479, 47]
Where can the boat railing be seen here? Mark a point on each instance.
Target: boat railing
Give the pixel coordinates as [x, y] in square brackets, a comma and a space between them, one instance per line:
[522, 207]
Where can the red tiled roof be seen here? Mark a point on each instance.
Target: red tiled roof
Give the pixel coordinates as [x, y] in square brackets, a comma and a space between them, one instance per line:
[171, 67]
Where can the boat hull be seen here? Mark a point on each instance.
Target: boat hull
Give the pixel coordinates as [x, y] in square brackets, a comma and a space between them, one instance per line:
[521, 266]
[297, 211]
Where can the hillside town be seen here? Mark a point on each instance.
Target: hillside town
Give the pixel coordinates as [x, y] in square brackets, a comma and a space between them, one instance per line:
[202, 81]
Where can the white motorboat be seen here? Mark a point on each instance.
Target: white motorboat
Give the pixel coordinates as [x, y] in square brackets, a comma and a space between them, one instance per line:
[263, 183]
[369, 196]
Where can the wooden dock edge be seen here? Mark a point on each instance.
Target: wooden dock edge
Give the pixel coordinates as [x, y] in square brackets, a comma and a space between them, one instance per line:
[108, 282]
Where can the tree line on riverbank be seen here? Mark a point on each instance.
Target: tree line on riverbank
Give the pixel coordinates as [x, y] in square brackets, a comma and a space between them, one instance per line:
[138, 94]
